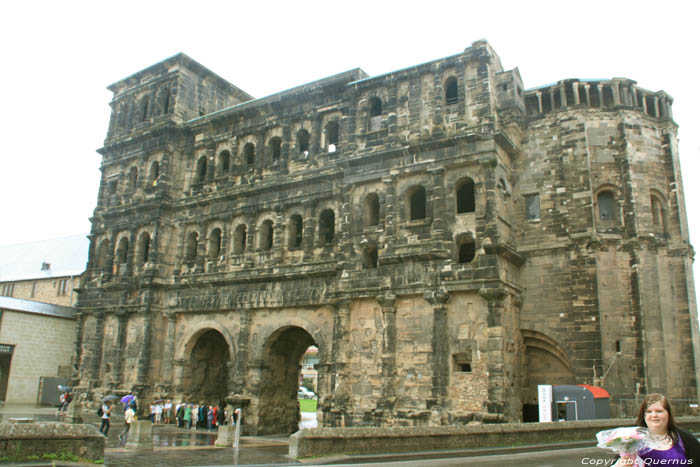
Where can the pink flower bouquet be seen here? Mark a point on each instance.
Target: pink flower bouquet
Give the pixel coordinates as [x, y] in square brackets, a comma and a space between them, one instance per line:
[626, 441]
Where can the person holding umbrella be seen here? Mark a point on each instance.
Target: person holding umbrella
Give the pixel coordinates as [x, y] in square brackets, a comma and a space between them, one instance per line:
[106, 410]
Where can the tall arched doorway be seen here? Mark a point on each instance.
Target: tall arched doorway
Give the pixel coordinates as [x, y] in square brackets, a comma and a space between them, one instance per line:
[206, 378]
[280, 378]
[545, 363]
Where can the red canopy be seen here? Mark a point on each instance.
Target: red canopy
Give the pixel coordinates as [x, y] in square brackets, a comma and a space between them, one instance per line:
[598, 392]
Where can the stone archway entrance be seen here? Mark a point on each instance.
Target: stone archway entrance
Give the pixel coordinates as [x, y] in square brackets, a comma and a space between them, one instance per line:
[546, 363]
[279, 384]
[206, 375]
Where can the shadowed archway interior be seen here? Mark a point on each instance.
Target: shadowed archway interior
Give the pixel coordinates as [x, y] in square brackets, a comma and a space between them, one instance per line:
[280, 380]
[207, 380]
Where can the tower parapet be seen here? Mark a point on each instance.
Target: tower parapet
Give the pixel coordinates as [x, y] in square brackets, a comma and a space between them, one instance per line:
[616, 93]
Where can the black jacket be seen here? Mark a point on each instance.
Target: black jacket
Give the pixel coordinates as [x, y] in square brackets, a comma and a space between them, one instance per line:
[692, 446]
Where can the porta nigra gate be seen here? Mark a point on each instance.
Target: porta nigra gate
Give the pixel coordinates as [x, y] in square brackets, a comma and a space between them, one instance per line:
[446, 238]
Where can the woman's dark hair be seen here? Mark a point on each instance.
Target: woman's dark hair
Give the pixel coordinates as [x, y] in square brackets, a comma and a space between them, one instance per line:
[652, 399]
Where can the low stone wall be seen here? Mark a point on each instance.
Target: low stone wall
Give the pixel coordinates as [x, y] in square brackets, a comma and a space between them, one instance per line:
[36, 439]
[326, 441]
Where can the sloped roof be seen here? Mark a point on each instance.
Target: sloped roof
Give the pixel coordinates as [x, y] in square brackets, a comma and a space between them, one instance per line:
[40, 308]
[66, 256]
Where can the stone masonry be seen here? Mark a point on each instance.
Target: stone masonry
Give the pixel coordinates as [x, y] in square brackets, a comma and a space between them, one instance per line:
[447, 239]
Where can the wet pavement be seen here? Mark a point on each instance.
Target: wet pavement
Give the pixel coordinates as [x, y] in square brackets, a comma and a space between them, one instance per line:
[173, 446]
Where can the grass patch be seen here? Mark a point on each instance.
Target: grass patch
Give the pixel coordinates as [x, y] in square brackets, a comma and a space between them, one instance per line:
[308, 405]
[63, 456]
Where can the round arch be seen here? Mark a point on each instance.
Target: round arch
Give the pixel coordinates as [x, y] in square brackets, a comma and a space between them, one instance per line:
[189, 339]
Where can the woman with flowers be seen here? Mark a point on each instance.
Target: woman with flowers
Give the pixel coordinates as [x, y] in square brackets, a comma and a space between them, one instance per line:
[667, 444]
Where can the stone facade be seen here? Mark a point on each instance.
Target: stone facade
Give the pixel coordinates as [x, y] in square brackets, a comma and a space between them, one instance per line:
[447, 239]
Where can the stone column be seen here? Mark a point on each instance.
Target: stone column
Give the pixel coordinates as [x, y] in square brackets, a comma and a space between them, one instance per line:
[239, 376]
[97, 346]
[179, 374]
[562, 94]
[497, 403]
[577, 98]
[441, 363]
[437, 197]
[78, 349]
[130, 254]
[308, 239]
[168, 351]
[339, 383]
[587, 89]
[389, 213]
[388, 304]
[211, 165]
[539, 102]
[122, 321]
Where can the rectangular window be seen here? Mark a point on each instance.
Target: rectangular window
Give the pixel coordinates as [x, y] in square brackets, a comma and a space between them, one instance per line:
[33, 290]
[8, 290]
[532, 207]
[62, 287]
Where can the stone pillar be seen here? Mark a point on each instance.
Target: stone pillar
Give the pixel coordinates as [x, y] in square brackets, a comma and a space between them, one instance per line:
[211, 165]
[633, 95]
[587, 88]
[577, 98]
[389, 212]
[168, 350]
[308, 239]
[644, 105]
[339, 384]
[615, 85]
[497, 403]
[140, 434]
[562, 94]
[78, 349]
[122, 321]
[97, 346]
[437, 197]
[130, 254]
[144, 358]
[278, 238]
[388, 304]
[179, 375]
[441, 363]
[239, 377]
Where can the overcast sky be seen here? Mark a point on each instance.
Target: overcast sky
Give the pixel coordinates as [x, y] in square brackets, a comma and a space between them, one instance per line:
[59, 57]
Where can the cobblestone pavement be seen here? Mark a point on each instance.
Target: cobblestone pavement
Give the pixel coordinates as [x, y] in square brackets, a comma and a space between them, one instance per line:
[172, 446]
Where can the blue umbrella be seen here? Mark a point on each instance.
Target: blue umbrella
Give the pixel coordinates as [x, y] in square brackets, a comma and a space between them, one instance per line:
[126, 400]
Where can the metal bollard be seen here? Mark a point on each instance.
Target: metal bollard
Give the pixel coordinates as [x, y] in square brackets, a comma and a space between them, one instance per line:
[239, 422]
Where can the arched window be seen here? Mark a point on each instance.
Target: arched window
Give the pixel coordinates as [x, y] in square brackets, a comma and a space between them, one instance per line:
[102, 254]
[466, 249]
[332, 135]
[239, 239]
[375, 107]
[144, 244]
[145, 101]
[121, 256]
[606, 205]
[416, 200]
[224, 162]
[133, 178]
[215, 243]
[155, 173]
[375, 114]
[165, 99]
[371, 214]
[451, 94]
[249, 155]
[275, 148]
[657, 213]
[296, 231]
[202, 169]
[303, 141]
[191, 246]
[266, 235]
[326, 226]
[465, 196]
[369, 257]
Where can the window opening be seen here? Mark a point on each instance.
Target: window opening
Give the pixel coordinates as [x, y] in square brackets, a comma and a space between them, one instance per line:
[327, 226]
[133, 178]
[249, 154]
[417, 203]
[303, 141]
[275, 148]
[266, 235]
[372, 210]
[144, 108]
[144, 244]
[465, 196]
[239, 239]
[224, 162]
[606, 205]
[462, 362]
[594, 95]
[657, 212]
[155, 172]
[62, 287]
[451, 94]
[215, 243]
[165, 99]
[467, 251]
[369, 257]
[201, 169]
[191, 246]
[532, 207]
[651, 109]
[122, 251]
[608, 99]
[296, 231]
[332, 135]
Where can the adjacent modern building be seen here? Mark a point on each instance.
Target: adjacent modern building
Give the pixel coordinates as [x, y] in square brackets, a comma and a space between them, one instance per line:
[446, 238]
